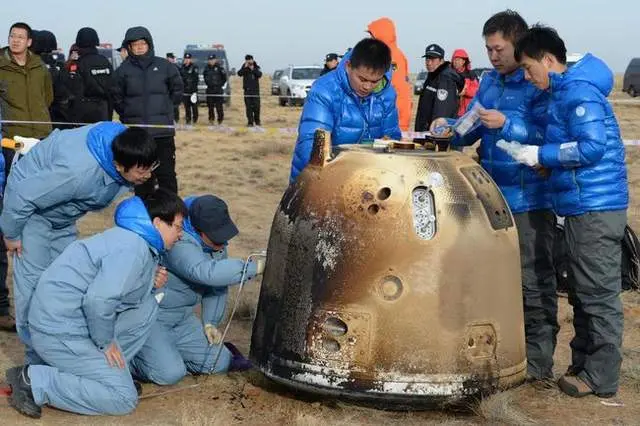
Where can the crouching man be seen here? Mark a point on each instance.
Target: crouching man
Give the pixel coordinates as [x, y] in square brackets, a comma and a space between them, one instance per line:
[92, 311]
[588, 184]
[199, 273]
[58, 181]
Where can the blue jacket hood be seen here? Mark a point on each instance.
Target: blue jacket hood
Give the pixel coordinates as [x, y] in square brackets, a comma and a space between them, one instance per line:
[99, 141]
[131, 214]
[589, 69]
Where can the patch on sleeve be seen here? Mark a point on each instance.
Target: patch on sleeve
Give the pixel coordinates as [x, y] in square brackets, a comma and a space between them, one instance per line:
[442, 94]
[580, 111]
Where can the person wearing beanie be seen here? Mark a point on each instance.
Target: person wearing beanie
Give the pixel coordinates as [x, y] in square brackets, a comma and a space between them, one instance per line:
[462, 65]
[92, 103]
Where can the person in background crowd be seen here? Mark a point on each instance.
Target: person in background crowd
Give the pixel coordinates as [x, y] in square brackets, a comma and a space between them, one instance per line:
[215, 78]
[462, 65]
[122, 50]
[385, 30]
[251, 74]
[176, 108]
[26, 91]
[331, 61]
[145, 90]
[190, 75]
[439, 97]
[93, 103]
[44, 44]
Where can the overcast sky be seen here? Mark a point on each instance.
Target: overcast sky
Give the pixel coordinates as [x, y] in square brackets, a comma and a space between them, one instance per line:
[301, 32]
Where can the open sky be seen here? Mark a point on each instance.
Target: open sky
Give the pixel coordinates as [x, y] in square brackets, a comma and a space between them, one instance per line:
[285, 32]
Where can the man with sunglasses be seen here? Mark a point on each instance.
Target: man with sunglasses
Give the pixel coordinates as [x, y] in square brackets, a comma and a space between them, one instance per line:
[355, 103]
[199, 274]
[68, 174]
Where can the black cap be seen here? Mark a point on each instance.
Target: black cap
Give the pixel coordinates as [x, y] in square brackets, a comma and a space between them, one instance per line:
[433, 51]
[210, 215]
[187, 56]
[170, 55]
[248, 57]
[212, 56]
[331, 57]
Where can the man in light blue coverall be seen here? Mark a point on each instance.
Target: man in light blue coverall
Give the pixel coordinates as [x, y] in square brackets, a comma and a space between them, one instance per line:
[92, 311]
[61, 178]
[199, 272]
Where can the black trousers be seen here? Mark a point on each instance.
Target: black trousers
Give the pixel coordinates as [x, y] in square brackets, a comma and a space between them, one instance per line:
[252, 105]
[215, 104]
[190, 109]
[176, 113]
[165, 175]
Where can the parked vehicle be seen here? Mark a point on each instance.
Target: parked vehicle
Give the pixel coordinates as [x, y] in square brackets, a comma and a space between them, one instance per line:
[275, 82]
[199, 56]
[296, 82]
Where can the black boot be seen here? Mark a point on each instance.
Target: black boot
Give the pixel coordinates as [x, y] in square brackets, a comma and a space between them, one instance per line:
[21, 397]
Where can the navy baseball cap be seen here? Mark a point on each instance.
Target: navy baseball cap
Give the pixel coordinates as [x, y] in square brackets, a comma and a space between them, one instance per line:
[331, 57]
[210, 215]
[433, 51]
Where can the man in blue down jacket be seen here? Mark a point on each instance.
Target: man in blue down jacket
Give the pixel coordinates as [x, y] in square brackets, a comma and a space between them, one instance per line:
[93, 309]
[61, 178]
[514, 111]
[144, 91]
[588, 184]
[356, 102]
[199, 272]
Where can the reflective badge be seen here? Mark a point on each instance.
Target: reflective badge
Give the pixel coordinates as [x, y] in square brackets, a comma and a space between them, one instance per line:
[442, 94]
[580, 111]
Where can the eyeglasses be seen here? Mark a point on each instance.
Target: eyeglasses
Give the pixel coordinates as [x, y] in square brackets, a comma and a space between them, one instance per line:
[154, 166]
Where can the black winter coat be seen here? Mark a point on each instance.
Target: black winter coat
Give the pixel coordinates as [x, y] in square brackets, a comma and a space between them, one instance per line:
[215, 77]
[250, 79]
[96, 76]
[146, 87]
[190, 76]
[439, 97]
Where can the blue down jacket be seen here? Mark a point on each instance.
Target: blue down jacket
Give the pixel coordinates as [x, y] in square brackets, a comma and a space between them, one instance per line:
[524, 107]
[332, 105]
[583, 147]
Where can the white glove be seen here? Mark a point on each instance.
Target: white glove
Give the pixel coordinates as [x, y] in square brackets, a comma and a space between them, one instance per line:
[528, 155]
[214, 336]
[194, 98]
[525, 154]
[27, 144]
[260, 265]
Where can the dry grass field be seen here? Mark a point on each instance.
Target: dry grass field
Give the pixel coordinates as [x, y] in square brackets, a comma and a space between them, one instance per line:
[250, 171]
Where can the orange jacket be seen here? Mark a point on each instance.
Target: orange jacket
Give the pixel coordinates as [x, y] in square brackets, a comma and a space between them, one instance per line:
[384, 30]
